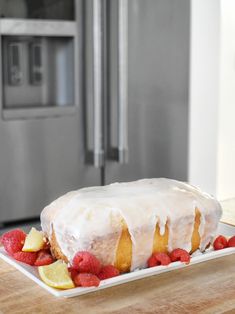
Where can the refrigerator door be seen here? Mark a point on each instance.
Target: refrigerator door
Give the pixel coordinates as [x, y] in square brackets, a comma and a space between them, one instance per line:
[43, 154]
[156, 121]
[40, 160]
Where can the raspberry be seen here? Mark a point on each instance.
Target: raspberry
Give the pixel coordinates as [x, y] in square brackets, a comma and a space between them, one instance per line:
[180, 255]
[13, 241]
[86, 280]
[162, 259]
[26, 257]
[73, 272]
[86, 262]
[152, 261]
[108, 271]
[231, 242]
[159, 259]
[43, 258]
[220, 243]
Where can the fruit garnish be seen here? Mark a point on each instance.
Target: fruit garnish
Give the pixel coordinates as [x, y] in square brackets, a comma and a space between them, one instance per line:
[73, 272]
[43, 258]
[13, 240]
[152, 261]
[180, 255]
[231, 242]
[86, 280]
[56, 275]
[26, 257]
[220, 243]
[85, 262]
[108, 271]
[34, 241]
[157, 259]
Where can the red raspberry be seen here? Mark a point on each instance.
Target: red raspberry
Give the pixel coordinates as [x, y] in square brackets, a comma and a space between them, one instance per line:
[86, 262]
[231, 242]
[26, 257]
[220, 243]
[73, 272]
[159, 259]
[13, 241]
[180, 255]
[108, 271]
[43, 258]
[86, 280]
[152, 261]
[162, 259]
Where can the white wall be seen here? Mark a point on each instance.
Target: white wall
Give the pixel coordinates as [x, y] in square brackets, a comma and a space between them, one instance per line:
[204, 94]
[212, 97]
[226, 140]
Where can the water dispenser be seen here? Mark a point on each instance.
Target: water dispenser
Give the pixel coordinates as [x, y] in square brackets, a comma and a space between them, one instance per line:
[39, 42]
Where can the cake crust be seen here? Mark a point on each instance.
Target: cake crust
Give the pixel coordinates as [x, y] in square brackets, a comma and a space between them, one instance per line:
[55, 248]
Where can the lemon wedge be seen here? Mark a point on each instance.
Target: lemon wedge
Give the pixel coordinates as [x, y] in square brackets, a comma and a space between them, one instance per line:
[34, 241]
[56, 275]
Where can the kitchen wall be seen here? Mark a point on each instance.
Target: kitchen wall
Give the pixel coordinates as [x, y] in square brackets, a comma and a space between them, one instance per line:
[204, 94]
[226, 139]
[212, 97]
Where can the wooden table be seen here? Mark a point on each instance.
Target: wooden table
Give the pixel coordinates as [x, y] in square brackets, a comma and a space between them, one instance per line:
[204, 288]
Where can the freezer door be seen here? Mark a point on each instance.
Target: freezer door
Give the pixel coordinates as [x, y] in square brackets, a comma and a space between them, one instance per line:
[43, 150]
[156, 124]
[40, 160]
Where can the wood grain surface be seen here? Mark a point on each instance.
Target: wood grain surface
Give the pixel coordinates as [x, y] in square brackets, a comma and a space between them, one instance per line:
[203, 288]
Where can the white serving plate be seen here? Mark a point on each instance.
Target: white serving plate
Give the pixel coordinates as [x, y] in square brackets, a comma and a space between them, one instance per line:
[197, 257]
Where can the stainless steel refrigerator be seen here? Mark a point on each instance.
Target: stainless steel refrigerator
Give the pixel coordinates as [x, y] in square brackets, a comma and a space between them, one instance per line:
[92, 92]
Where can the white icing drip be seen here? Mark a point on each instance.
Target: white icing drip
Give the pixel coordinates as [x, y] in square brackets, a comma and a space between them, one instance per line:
[90, 218]
[49, 213]
[141, 229]
[162, 225]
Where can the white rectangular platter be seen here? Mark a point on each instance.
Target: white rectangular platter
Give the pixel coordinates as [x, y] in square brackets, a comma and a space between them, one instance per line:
[197, 257]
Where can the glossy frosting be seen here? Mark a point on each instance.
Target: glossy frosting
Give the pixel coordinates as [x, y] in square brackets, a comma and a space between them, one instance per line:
[91, 218]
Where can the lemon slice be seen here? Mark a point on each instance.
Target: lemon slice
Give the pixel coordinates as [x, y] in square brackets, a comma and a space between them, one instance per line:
[56, 275]
[34, 241]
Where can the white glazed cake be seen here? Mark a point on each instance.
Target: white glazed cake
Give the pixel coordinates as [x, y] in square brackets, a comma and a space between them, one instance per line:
[93, 219]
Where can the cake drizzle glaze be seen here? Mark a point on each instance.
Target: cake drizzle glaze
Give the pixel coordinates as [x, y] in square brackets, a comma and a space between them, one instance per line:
[81, 219]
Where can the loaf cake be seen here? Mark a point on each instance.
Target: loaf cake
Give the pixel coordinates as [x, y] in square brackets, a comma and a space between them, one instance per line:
[124, 223]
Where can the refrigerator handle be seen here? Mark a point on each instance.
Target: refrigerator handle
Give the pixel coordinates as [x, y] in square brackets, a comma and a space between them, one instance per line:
[122, 88]
[98, 82]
